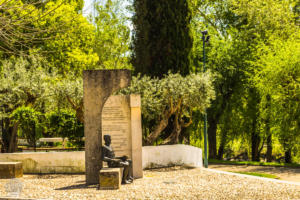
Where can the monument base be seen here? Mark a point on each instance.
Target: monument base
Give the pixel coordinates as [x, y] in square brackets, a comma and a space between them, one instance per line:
[110, 178]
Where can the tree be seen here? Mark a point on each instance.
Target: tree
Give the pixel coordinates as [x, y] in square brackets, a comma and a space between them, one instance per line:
[65, 124]
[23, 82]
[112, 37]
[237, 28]
[70, 47]
[67, 93]
[173, 97]
[264, 21]
[29, 124]
[55, 30]
[162, 38]
[17, 33]
[277, 79]
[226, 55]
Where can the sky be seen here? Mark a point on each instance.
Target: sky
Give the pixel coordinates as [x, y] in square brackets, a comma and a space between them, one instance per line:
[88, 7]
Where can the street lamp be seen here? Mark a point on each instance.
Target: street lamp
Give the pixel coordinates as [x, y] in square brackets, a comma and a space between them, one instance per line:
[205, 38]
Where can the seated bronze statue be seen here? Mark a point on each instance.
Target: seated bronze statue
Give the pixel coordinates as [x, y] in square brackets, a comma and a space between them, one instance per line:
[108, 155]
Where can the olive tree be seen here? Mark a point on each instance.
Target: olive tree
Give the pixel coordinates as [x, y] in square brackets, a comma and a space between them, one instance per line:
[172, 97]
[23, 82]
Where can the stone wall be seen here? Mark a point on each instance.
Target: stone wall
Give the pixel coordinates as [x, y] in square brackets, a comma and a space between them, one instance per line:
[168, 155]
[48, 162]
[73, 162]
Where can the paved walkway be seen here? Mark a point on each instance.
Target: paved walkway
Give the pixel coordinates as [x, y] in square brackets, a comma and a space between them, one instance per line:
[284, 173]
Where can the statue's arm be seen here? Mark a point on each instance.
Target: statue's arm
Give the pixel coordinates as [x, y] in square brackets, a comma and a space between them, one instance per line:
[122, 157]
[107, 159]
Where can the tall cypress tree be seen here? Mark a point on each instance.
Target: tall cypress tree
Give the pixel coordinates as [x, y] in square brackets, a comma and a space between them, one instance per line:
[162, 40]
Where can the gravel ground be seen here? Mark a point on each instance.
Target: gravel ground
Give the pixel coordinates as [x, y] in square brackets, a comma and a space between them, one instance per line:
[168, 183]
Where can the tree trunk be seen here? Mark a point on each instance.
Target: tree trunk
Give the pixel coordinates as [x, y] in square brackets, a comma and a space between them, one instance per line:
[269, 148]
[177, 128]
[253, 112]
[184, 136]
[157, 130]
[255, 140]
[212, 137]
[34, 138]
[13, 142]
[6, 135]
[288, 156]
[174, 136]
[9, 136]
[268, 131]
[222, 144]
[213, 116]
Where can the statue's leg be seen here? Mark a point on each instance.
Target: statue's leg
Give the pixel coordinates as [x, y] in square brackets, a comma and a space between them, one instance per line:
[130, 176]
[125, 174]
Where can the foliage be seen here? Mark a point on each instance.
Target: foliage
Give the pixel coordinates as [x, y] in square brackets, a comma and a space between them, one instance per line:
[65, 124]
[29, 123]
[67, 93]
[173, 96]
[238, 29]
[162, 38]
[69, 46]
[55, 30]
[278, 75]
[17, 33]
[23, 82]
[112, 37]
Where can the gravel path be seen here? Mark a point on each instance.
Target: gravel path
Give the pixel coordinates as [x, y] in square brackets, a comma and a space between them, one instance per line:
[169, 183]
[284, 173]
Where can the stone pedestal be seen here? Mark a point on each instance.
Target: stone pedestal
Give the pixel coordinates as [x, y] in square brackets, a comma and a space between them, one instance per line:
[11, 170]
[110, 178]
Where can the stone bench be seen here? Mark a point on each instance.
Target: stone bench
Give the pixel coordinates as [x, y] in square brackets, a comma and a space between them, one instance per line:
[110, 178]
[11, 170]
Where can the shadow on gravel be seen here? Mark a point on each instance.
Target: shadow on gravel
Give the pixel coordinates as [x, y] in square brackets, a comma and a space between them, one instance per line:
[48, 176]
[78, 186]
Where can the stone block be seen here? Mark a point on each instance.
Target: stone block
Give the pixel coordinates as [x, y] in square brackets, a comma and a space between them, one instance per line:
[11, 170]
[110, 178]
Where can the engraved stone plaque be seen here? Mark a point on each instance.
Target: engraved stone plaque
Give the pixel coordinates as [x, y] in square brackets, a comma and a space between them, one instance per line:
[116, 122]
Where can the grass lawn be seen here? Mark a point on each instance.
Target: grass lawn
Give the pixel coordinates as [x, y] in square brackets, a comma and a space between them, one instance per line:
[215, 161]
[258, 174]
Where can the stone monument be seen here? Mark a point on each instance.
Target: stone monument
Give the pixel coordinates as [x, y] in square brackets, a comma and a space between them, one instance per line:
[121, 118]
[98, 85]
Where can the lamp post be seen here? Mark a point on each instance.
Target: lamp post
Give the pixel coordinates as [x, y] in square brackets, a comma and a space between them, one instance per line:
[205, 38]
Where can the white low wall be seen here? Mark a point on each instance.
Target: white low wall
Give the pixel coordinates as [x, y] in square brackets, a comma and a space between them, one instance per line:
[74, 162]
[168, 155]
[48, 162]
